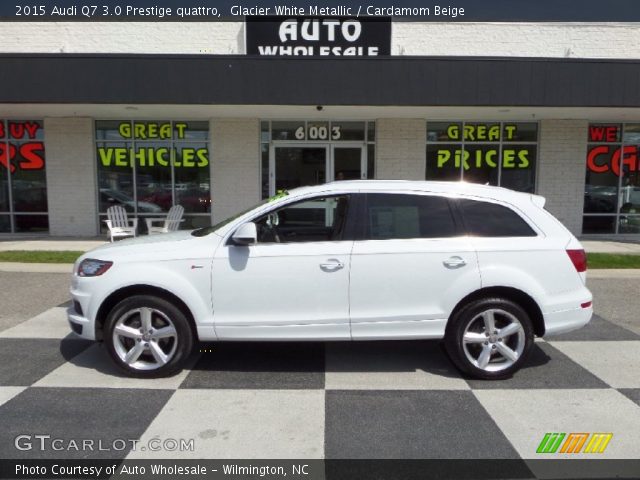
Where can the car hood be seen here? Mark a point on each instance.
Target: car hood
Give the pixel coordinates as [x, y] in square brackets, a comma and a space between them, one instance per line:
[166, 246]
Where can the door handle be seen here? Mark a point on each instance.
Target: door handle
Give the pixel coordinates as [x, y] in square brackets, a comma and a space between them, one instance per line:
[332, 265]
[454, 262]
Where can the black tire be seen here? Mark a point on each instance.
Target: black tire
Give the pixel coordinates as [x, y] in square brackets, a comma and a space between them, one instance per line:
[499, 366]
[164, 314]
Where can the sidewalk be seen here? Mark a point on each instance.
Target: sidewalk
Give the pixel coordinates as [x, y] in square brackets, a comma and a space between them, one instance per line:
[602, 246]
[51, 244]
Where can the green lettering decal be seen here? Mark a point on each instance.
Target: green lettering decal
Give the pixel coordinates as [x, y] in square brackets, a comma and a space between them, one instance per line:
[510, 130]
[443, 157]
[162, 157]
[453, 132]
[494, 133]
[490, 158]
[508, 158]
[125, 130]
[188, 155]
[523, 156]
[121, 157]
[106, 154]
[180, 127]
[203, 157]
[140, 156]
[465, 159]
[152, 130]
[165, 130]
[139, 131]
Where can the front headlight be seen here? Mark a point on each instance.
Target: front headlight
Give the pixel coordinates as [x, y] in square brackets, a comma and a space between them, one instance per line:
[90, 267]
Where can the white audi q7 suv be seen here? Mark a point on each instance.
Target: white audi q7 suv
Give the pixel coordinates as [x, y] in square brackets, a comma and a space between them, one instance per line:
[483, 268]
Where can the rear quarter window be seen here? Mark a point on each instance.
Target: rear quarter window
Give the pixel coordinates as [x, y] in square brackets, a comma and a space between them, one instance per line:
[484, 219]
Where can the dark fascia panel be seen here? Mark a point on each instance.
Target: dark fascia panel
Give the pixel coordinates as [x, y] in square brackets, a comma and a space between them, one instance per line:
[246, 80]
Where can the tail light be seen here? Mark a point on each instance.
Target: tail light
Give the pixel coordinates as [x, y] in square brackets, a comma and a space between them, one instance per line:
[579, 259]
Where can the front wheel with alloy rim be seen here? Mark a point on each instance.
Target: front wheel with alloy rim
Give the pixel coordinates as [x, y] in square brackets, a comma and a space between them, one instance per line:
[489, 338]
[148, 336]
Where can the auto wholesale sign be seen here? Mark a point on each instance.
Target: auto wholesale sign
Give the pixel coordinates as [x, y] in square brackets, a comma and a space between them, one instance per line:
[318, 37]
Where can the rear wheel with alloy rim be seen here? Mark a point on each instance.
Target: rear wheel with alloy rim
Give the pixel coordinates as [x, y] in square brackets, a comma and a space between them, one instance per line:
[148, 336]
[489, 338]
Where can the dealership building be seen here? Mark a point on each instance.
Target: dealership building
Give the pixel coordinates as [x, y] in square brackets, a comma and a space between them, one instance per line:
[215, 116]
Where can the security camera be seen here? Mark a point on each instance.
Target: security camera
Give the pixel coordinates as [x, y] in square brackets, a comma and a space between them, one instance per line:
[319, 108]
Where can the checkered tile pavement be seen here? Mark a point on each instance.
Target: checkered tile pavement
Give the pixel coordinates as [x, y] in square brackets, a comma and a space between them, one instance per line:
[315, 400]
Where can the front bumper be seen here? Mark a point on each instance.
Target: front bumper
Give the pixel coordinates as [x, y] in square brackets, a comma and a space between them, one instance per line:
[80, 324]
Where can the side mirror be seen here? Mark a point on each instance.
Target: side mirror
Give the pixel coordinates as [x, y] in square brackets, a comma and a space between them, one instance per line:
[246, 234]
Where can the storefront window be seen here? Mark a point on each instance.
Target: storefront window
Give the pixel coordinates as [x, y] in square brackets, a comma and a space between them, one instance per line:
[491, 153]
[612, 186]
[23, 184]
[148, 166]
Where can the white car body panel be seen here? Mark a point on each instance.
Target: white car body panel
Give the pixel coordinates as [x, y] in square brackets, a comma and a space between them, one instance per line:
[386, 289]
[403, 288]
[282, 285]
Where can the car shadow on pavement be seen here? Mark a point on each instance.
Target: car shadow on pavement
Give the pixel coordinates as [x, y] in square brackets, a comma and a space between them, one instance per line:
[331, 357]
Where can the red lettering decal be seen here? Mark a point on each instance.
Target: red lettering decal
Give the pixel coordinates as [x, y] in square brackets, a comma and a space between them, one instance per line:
[32, 153]
[615, 161]
[32, 129]
[630, 158]
[591, 159]
[1, 129]
[603, 134]
[6, 155]
[596, 134]
[612, 134]
[16, 130]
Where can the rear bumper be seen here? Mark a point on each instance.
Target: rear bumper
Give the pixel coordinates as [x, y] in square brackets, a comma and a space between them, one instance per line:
[567, 320]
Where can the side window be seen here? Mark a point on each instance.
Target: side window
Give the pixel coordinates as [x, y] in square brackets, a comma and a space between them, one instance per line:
[314, 220]
[484, 219]
[393, 216]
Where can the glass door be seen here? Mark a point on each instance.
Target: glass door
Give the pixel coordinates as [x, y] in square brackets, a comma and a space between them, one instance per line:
[349, 162]
[296, 166]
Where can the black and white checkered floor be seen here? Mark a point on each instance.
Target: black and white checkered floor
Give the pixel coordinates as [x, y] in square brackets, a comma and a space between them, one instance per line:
[334, 400]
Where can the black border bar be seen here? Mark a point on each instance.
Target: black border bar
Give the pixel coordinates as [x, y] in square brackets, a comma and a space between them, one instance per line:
[474, 10]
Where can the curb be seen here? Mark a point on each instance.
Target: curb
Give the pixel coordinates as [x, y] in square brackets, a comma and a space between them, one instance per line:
[36, 267]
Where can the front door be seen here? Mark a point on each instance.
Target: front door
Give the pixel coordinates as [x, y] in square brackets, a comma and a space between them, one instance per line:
[297, 165]
[348, 162]
[294, 283]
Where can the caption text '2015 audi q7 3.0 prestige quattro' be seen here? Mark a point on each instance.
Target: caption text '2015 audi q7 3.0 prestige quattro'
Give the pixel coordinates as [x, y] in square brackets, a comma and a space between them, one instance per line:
[485, 269]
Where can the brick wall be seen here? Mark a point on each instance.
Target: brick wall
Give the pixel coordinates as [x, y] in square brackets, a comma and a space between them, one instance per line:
[561, 169]
[235, 166]
[592, 40]
[400, 149]
[71, 176]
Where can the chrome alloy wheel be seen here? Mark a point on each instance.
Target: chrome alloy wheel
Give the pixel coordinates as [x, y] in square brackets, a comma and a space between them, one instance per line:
[145, 338]
[493, 340]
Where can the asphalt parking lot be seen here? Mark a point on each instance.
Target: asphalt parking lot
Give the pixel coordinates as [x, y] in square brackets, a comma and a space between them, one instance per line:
[333, 400]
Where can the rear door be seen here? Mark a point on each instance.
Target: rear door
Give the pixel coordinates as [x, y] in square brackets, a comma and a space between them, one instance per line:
[409, 267]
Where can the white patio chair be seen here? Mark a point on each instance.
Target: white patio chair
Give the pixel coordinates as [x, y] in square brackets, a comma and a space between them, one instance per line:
[171, 223]
[119, 224]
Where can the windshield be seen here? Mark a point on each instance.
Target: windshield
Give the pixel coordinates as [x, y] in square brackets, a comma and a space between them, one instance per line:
[202, 232]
